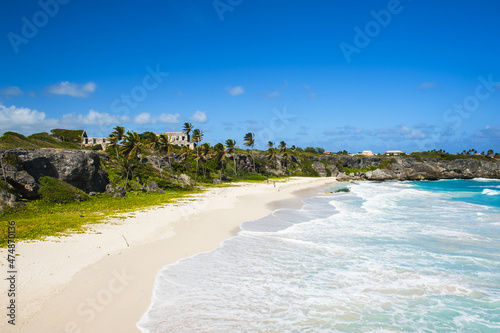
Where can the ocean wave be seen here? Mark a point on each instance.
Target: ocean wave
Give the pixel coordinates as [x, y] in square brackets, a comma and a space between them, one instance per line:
[488, 191]
[381, 255]
[486, 180]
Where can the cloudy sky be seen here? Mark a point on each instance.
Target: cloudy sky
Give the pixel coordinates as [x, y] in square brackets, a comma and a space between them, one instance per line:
[344, 74]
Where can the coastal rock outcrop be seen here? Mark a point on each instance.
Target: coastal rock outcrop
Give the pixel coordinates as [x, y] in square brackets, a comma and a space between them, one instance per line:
[80, 168]
[409, 168]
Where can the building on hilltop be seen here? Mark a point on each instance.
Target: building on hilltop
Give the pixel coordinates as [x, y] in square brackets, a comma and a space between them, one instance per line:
[178, 139]
[86, 141]
[181, 139]
[394, 152]
[367, 153]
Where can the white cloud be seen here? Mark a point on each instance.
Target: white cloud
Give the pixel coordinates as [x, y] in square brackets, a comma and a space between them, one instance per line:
[144, 118]
[72, 89]
[169, 118]
[94, 118]
[12, 118]
[11, 91]
[235, 91]
[199, 117]
[28, 121]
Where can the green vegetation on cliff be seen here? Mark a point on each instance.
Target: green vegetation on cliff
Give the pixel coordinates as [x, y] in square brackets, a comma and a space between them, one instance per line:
[37, 140]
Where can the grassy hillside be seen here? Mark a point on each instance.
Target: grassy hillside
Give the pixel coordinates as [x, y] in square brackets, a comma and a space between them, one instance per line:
[38, 140]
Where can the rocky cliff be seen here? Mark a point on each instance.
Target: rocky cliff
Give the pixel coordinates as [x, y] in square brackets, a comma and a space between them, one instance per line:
[80, 168]
[22, 168]
[406, 168]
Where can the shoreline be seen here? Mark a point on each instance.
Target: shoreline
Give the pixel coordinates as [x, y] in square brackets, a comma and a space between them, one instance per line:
[103, 281]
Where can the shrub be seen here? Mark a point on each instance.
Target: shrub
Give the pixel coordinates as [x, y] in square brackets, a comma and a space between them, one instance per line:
[9, 134]
[163, 184]
[74, 136]
[307, 169]
[385, 164]
[11, 159]
[56, 191]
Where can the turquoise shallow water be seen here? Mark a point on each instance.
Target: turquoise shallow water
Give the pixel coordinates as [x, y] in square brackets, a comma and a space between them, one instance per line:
[385, 257]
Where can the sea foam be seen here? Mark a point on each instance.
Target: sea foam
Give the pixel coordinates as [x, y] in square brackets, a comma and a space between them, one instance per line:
[381, 257]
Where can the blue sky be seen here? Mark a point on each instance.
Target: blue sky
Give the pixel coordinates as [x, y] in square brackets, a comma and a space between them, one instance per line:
[354, 75]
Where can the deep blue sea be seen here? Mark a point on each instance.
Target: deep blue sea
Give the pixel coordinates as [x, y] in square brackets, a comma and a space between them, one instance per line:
[383, 257]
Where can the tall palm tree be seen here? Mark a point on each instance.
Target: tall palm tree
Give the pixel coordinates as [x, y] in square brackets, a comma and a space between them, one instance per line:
[153, 142]
[132, 147]
[206, 154]
[220, 155]
[285, 158]
[166, 145]
[117, 136]
[197, 138]
[249, 141]
[188, 127]
[270, 144]
[230, 149]
[282, 146]
[185, 151]
[271, 154]
[124, 165]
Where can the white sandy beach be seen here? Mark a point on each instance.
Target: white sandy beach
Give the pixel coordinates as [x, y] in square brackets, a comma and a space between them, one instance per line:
[102, 281]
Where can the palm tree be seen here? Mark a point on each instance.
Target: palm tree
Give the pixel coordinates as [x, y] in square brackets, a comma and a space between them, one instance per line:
[132, 147]
[153, 142]
[249, 141]
[197, 138]
[165, 141]
[117, 136]
[188, 127]
[271, 154]
[230, 144]
[220, 155]
[270, 144]
[206, 154]
[282, 146]
[124, 165]
[285, 157]
[185, 152]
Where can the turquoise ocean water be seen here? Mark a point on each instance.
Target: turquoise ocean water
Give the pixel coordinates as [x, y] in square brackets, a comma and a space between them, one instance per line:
[383, 257]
